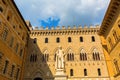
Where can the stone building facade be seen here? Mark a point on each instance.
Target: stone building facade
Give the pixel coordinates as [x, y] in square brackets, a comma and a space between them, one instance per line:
[13, 41]
[84, 57]
[91, 53]
[110, 30]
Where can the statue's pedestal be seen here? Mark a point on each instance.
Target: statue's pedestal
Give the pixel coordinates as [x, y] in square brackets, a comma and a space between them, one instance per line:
[60, 75]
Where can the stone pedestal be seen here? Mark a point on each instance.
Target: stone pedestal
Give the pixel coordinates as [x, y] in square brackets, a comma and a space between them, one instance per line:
[60, 75]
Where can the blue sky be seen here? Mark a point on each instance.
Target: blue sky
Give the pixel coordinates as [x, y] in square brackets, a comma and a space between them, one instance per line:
[63, 12]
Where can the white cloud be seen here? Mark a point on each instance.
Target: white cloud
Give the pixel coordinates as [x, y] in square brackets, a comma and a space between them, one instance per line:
[70, 12]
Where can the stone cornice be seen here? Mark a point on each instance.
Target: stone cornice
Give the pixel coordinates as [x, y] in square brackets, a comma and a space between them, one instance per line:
[37, 32]
[110, 16]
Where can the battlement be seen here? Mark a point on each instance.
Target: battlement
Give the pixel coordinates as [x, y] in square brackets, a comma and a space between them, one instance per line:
[65, 31]
[63, 27]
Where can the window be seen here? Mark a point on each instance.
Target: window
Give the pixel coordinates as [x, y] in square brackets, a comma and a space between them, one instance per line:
[81, 39]
[12, 71]
[46, 40]
[17, 74]
[58, 40]
[99, 72]
[35, 40]
[69, 39]
[33, 58]
[5, 33]
[5, 67]
[71, 72]
[45, 57]
[11, 42]
[96, 55]
[70, 57]
[116, 66]
[115, 35]
[83, 55]
[1, 9]
[85, 72]
[55, 57]
[16, 49]
[93, 39]
[110, 42]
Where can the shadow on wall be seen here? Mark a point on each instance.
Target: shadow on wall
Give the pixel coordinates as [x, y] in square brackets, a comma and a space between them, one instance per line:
[36, 67]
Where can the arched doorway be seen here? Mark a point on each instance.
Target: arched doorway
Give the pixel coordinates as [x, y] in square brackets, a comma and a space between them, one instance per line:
[38, 78]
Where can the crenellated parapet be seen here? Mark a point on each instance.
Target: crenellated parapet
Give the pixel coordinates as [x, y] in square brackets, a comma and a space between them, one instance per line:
[65, 31]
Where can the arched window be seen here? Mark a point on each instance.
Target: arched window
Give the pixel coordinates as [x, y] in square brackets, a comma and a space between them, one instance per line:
[31, 56]
[35, 58]
[35, 40]
[12, 71]
[80, 56]
[57, 39]
[115, 36]
[72, 57]
[11, 41]
[110, 42]
[17, 74]
[46, 40]
[55, 57]
[69, 39]
[96, 55]
[5, 34]
[16, 48]
[81, 39]
[1, 9]
[45, 56]
[99, 72]
[116, 66]
[5, 67]
[93, 39]
[85, 72]
[68, 57]
[71, 72]
[83, 55]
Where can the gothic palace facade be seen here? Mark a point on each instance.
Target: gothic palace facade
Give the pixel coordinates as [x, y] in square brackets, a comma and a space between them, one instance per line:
[91, 53]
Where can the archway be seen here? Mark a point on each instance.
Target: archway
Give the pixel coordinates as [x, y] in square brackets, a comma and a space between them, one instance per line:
[38, 78]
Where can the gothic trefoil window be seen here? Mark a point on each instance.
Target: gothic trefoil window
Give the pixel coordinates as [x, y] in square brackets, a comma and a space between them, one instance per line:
[70, 55]
[45, 56]
[83, 55]
[96, 55]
